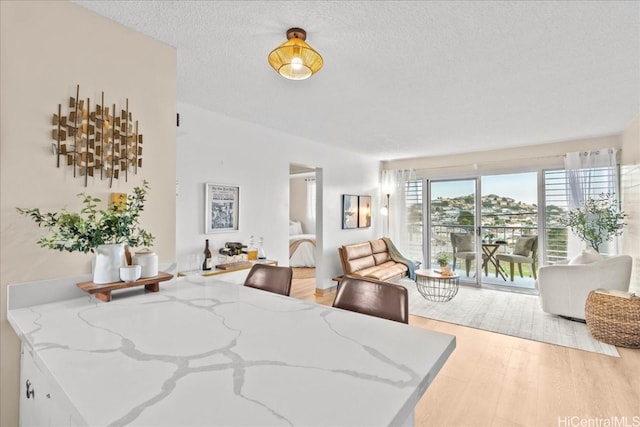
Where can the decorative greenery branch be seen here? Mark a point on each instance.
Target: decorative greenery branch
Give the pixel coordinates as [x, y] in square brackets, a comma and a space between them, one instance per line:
[597, 220]
[90, 228]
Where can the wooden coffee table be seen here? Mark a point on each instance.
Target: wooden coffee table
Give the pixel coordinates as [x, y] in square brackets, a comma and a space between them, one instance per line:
[435, 287]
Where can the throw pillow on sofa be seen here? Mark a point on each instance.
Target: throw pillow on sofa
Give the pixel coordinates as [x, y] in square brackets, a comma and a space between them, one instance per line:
[586, 256]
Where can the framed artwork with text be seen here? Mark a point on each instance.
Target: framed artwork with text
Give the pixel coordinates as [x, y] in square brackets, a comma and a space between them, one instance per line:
[221, 208]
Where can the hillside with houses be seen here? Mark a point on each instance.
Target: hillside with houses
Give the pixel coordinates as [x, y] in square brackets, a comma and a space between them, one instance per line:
[496, 211]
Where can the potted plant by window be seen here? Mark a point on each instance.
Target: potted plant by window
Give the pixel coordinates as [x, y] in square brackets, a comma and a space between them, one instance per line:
[442, 258]
[104, 232]
[596, 221]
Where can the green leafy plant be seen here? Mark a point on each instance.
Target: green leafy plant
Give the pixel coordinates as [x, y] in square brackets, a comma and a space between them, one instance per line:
[597, 220]
[90, 228]
[442, 259]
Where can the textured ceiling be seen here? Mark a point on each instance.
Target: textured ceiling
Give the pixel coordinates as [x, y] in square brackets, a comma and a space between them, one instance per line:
[408, 78]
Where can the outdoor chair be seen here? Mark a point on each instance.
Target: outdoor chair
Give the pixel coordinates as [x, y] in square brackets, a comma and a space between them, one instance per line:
[463, 249]
[524, 252]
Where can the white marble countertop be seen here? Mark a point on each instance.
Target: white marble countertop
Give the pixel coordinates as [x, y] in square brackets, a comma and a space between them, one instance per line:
[203, 352]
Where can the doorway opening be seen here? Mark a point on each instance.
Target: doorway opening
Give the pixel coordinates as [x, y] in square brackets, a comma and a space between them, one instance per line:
[303, 222]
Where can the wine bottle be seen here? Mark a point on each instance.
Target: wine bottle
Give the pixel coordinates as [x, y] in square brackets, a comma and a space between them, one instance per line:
[206, 265]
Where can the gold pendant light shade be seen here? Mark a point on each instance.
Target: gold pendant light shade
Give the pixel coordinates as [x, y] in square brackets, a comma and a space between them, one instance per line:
[295, 59]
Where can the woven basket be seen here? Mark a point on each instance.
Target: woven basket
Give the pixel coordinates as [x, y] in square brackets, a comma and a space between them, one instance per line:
[614, 320]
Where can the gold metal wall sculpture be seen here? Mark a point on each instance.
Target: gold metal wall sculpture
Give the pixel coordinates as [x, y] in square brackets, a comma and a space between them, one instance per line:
[99, 142]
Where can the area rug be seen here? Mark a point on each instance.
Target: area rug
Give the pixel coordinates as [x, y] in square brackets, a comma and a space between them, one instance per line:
[507, 313]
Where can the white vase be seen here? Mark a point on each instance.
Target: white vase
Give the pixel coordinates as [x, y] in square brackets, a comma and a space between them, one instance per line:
[109, 259]
[148, 262]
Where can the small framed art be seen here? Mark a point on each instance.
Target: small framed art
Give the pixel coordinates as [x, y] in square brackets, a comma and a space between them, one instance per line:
[349, 211]
[364, 211]
[221, 208]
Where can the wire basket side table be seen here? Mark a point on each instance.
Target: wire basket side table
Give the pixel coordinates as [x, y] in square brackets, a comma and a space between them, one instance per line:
[433, 286]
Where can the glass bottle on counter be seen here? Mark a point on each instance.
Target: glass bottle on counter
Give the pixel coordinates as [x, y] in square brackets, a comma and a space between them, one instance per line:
[206, 265]
[262, 256]
[252, 252]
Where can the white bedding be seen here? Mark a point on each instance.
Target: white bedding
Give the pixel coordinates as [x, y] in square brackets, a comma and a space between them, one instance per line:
[305, 253]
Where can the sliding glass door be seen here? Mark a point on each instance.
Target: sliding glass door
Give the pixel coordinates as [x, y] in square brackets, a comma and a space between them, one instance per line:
[496, 229]
[452, 226]
[509, 233]
[491, 239]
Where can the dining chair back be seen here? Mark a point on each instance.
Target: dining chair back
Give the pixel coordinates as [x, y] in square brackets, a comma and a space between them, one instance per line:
[524, 252]
[373, 297]
[270, 278]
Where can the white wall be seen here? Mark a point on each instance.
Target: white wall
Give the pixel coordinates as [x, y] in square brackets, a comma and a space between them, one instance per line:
[526, 158]
[630, 142]
[219, 149]
[46, 49]
[630, 183]
[298, 203]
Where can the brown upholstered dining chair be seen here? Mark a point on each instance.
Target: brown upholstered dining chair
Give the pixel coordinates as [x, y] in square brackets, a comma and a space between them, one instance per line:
[374, 298]
[524, 252]
[270, 278]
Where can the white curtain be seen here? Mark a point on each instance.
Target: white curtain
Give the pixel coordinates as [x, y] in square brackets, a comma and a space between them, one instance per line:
[393, 183]
[585, 173]
[589, 174]
[311, 205]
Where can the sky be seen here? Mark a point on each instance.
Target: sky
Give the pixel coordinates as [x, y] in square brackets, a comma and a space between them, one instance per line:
[521, 187]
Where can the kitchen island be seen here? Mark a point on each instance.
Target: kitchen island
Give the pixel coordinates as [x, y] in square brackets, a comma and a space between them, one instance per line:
[205, 352]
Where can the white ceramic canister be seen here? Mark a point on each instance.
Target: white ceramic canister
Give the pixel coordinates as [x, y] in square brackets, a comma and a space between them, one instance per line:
[148, 262]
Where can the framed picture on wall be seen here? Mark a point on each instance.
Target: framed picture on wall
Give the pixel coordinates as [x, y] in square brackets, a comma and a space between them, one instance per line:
[349, 211]
[364, 211]
[221, 208]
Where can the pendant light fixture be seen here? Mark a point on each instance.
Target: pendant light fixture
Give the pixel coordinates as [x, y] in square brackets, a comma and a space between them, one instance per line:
[295, 59]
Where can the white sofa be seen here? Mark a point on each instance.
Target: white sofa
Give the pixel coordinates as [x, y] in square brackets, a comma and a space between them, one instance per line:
[564, 287]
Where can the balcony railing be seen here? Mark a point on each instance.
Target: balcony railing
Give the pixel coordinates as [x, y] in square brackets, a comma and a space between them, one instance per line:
[441, 238]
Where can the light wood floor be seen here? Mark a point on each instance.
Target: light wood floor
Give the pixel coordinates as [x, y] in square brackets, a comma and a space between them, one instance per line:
[498, 380]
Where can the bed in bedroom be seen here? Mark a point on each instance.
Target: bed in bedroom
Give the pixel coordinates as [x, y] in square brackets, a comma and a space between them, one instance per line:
[302, 247]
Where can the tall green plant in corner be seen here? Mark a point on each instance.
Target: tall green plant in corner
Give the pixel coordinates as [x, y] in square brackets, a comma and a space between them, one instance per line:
[86, 230]
[597, 220]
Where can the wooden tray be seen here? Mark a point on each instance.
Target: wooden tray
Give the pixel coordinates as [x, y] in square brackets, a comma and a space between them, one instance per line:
[234, 265]
[103, 291]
